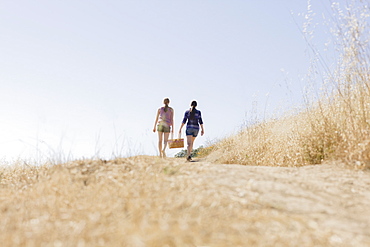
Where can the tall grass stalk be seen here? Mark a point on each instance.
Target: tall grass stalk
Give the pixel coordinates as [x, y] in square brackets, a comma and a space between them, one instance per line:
[336, 125]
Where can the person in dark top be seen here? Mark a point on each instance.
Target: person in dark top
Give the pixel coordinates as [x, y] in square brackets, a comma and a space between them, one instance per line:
[193, 117]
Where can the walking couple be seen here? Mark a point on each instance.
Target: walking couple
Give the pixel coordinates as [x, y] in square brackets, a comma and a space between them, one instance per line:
[164, 125]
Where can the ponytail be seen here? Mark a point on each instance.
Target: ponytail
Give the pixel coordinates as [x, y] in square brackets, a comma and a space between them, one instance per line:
[193, 110]
[166, 101]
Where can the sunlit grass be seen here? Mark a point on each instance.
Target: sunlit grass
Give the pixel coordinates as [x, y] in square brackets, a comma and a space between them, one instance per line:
[148, 201]
[336, 125]
[138, 201]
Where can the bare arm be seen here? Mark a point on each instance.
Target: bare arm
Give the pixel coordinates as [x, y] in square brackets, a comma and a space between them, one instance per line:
[172, 121]
[182, 125]
[156, 121]
[202, 132]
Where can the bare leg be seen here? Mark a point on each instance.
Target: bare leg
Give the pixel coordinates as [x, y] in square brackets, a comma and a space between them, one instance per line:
[160, 138]
[190, 141]
[165, 143]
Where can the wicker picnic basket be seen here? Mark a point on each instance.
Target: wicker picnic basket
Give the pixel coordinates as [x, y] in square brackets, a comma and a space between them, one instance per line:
[176, 143]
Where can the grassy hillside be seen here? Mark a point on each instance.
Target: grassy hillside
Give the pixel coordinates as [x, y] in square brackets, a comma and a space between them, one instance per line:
[138, 201]
[336, 125]
[148, 201]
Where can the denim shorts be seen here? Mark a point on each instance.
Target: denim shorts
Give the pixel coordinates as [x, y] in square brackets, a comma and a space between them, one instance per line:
[163, 128]
[192, 132]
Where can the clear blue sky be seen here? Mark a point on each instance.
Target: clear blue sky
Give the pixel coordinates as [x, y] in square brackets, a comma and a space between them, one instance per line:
[85, 78]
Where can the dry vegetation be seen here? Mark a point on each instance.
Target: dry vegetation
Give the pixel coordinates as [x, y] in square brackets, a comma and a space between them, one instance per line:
[141, 201]
[334, 127]
[147, 201]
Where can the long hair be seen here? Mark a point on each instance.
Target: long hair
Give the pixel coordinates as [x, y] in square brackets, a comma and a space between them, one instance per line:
[166, 101]
[193, 110]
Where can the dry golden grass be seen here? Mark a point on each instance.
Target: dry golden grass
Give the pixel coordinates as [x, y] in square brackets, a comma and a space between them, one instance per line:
[148, 201]
[336, 129]
[139, 201]
[272, 143]
[335, 126]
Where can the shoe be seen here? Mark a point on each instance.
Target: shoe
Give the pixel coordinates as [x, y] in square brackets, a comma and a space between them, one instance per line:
[188, 158]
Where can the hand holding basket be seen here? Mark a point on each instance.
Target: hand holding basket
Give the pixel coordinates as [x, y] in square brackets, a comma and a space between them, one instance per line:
[176, 143]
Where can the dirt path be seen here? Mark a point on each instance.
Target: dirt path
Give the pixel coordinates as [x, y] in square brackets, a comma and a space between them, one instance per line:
[151, 202]
[328, 199]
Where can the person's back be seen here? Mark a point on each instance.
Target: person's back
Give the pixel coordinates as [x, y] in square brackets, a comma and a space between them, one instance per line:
[164, 125]
[166, 115]
[193, 118]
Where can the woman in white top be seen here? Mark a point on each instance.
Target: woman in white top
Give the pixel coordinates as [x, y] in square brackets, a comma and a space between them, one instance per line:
[164, 125]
